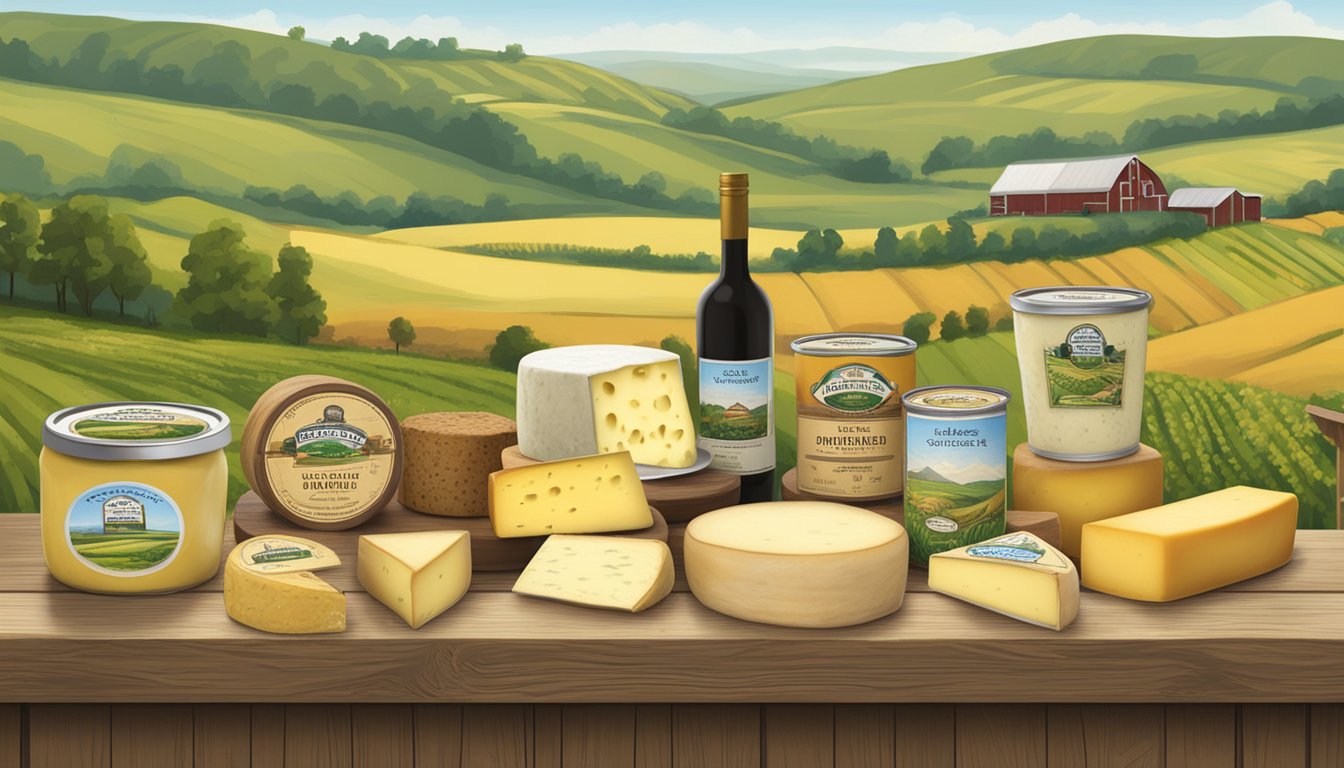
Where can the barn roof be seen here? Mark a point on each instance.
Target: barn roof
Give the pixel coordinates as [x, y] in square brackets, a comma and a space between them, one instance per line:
[1091, 174]
[1199, 197]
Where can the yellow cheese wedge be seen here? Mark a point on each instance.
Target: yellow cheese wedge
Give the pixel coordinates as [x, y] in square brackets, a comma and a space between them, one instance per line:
[268, 586]
[798, 563]
[593, 494]
[1081, 492]
[1192, 546]
[1017, 575]
[600, 571]
[418, 575]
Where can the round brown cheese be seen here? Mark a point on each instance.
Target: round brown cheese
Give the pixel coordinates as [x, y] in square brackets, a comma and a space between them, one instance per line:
[323, 452]
[449, 458]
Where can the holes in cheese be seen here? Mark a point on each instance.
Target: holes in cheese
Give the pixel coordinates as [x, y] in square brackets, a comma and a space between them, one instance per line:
[797, 563]
[1017, 575]
[599, 571]
[1191, 546]
[593, 494]
[604, 398]
[418, 575]
[268, 586]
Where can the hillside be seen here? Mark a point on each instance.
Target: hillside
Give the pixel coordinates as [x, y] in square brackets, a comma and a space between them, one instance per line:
[1073, 87]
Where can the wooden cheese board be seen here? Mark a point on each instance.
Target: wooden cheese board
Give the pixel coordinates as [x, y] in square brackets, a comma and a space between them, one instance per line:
[679, 499]
[252, 518]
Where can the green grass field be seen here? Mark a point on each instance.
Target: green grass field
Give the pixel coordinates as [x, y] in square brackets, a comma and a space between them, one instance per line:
[1073, 387]
[125, 551]
[976, 508]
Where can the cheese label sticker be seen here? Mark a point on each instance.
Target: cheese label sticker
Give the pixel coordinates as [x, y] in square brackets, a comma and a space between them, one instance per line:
[1084, 371]
[736, 414]
[1017, 547]
[124, 529]
[285, 554]
[855, 388]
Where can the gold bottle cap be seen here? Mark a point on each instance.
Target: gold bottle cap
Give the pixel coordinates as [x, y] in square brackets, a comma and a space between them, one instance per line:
[733, 183]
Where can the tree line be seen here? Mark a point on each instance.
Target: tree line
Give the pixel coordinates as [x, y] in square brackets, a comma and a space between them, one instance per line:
[424, 49]
[976, 322]
[1148, 133]
[1315, 196]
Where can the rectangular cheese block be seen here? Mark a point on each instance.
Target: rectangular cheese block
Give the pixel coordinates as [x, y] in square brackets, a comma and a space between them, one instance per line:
[605, 398]
[599, 571]
[1081, 492]
[593, 494]
[1192, 546]
[268, 586]
[418, 575]
[1017, 575]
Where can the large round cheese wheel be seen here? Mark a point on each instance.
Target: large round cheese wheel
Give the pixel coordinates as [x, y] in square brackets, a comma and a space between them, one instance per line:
[797, 563]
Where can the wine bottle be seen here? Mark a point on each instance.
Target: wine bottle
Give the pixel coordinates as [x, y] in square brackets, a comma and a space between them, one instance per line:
[735, 342]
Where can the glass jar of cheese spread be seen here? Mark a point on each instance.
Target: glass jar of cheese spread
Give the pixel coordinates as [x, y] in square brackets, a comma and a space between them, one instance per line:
[1082, 352]
[134, 496]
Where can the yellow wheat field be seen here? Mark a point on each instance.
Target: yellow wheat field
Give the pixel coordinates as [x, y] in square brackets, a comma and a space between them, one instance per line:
[1316, 369]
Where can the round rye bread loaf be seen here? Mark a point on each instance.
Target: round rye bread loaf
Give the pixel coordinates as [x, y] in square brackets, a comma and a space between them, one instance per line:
[449, 458]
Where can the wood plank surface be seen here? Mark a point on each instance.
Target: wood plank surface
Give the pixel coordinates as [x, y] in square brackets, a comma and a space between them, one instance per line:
[991, 736]
[268, 735]
[653, 736]
[798, 735]
[597, 734]
[548, 737]
[438, 735]
[318, 736]
[1106, 735]
[1327, 735]
[497, 736]
[222, 735]
[382, 736]
[1201, 735]
[70, 735]
[152, 735]
[925, 734]
[1273, 735]
[865, 736]
[11, 736]
[716, 736]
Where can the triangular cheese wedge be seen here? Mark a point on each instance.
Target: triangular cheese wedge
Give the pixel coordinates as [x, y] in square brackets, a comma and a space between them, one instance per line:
[1017, 575]
[599, 571]
[418, 575]
[268, 586]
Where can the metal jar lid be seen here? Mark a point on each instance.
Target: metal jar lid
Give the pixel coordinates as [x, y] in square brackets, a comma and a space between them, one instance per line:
[956, 400]
[1079, 300]
[850, 344]
[133, 431]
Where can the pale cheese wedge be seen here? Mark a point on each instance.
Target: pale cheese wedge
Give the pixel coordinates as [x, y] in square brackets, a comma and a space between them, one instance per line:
[418, 575]
[1017, 575]
[268, 586]
[593, 494]
[599, 571]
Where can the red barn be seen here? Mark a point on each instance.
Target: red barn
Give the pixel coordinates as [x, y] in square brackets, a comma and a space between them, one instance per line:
[1089, 185]
[1219, 206]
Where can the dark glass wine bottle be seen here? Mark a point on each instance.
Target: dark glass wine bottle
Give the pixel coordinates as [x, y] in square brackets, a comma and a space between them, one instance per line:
[735, 341]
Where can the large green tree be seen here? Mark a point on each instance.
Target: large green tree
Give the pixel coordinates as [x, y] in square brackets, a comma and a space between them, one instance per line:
[130, 274]
[76, 247]
[512, 344]
[20, 225]
[226, 283]
[303, 311]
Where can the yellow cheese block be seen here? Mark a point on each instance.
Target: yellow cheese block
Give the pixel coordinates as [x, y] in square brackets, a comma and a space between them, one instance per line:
[1192, 546]
[1083, 491]
[593, 494]
[268, 586]
[600, 571]
[797, 563]
[418, 575]
[1017, 575]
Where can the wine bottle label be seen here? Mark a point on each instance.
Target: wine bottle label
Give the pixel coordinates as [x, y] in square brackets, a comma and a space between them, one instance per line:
[737, 414]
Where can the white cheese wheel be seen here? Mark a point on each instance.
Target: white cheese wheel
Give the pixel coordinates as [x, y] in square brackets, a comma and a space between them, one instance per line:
[797, 563]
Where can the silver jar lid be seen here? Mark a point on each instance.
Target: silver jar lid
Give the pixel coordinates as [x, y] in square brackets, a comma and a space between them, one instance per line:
[956, 400]
[1079, 300]
[850, 344]
[132, 431]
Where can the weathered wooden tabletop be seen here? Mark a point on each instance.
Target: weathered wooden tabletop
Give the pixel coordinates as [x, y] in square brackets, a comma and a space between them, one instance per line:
[1278, 638]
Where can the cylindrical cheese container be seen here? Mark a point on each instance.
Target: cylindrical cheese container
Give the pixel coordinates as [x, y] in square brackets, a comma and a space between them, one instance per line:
[323, 452]
[449, 458]
[956, 479]
[133, 495]
[851, 436]
[1082, 352]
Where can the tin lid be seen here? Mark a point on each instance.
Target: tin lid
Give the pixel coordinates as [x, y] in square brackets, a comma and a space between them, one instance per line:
[131, 431]
[955, 400]
[1079, 300]
[847, 344]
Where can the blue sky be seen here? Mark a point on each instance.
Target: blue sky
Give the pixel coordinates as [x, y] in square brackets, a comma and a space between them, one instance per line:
[974, 26]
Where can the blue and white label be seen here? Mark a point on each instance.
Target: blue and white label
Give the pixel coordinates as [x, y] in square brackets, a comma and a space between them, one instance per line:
[124, 529]
[737, 414]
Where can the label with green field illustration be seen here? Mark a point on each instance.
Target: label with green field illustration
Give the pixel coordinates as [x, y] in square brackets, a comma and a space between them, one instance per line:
[1084, 371]
[126, 423]
[955, 482]
[736, 414]
[854, 388]
[285, 554]
[124, 529]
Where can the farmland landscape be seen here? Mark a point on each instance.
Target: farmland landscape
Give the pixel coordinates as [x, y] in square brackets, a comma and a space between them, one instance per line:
[483, 191]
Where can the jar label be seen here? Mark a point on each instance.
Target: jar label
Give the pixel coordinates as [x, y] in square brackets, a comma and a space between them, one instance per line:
[137, 422]
[955, 482]
[1084, 371]
[737, 414]
[854, 388]
[854, 458]
[124, 529]
[330, 456]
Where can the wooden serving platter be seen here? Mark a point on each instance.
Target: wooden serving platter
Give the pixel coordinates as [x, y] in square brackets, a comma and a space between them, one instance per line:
[252, 518]
[679, 499]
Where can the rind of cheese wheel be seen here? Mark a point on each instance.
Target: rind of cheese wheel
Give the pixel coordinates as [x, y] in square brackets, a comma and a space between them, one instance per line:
[797, 563]
[448, 461]
[605, 398]
[600, 572]
[275, 596]
[1018, 575]
[592, 494]
[1191, 546]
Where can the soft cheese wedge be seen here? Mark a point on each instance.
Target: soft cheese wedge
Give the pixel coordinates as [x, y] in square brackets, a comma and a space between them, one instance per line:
[418, 575]
[1017, 575]
[268, 585]
[1192, 546]
[593, 494]
[604, 398]
[798, 563]
[600, 571]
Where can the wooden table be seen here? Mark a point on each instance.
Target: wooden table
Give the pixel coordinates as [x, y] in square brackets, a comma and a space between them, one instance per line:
[1252, 675]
